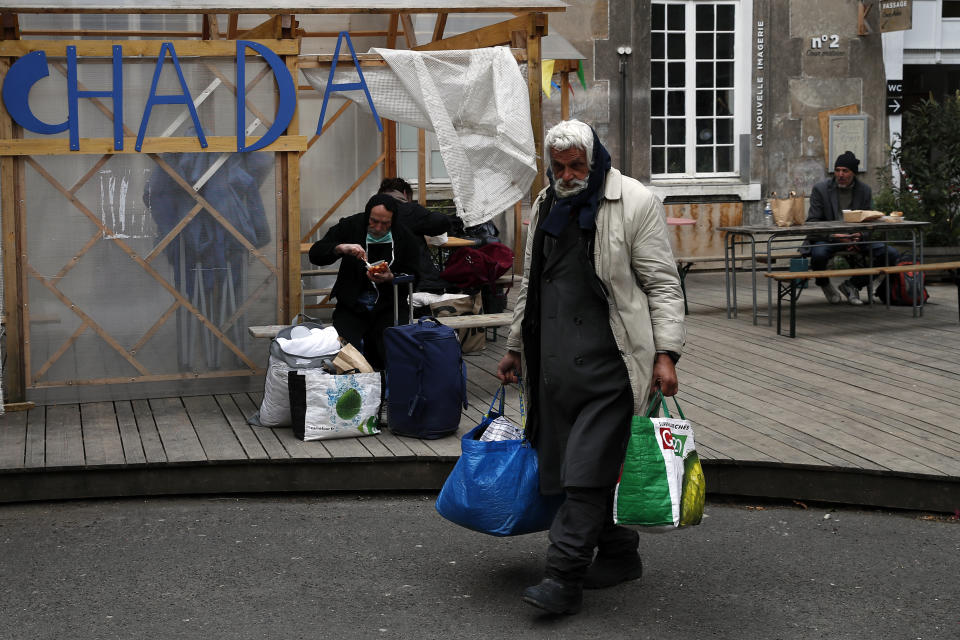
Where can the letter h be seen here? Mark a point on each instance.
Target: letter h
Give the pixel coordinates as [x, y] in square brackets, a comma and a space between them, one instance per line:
[74, 94]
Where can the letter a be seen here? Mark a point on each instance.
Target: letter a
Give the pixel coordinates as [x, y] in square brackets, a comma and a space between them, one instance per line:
[182, 98]
[345, 86]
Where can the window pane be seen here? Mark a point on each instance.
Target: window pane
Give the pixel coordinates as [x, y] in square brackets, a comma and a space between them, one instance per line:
[725, 131]
[705, 103]
[437, 168]
[704, 131]
[704, 159]
[704, 17]
[704, 46]
[657, 21]
[704, 74]
[676, 46]
[657, 74]
[675, 18]
[725, 46]
[725, 17]
[724, 74]
[724, 158]
[406, 136]
[675, 160]
[725, 102]
[657, 132]
[677, 74]
[656, 102]
[657, 161]
[676, 105]
[408, 165]
[656, 46]
[676, 131]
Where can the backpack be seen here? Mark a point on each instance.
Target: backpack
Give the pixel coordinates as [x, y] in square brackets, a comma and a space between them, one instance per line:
[469, 268]
[906, 288]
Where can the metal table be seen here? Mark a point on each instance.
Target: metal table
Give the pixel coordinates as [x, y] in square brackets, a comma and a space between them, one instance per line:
[792, 238]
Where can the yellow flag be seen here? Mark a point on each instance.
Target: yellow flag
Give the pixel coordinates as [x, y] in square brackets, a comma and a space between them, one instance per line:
[546, 75]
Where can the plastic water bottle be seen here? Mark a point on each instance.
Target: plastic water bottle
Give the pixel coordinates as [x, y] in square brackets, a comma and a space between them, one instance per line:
[768, 215]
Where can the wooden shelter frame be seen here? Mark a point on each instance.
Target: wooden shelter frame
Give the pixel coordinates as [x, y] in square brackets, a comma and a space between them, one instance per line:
[281, 33]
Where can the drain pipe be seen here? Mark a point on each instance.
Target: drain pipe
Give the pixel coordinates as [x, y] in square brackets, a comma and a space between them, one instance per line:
[624, 53]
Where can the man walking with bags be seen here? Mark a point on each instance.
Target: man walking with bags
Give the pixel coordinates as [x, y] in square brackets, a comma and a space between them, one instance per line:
[598, 323]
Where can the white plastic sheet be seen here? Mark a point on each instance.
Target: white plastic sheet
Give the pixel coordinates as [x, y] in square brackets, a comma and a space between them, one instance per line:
[475, 101]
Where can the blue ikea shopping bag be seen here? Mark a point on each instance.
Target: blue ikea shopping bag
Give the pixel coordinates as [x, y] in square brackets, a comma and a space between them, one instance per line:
[495, 486]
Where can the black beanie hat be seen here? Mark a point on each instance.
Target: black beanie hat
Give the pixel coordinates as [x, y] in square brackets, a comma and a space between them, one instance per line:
[848, 160]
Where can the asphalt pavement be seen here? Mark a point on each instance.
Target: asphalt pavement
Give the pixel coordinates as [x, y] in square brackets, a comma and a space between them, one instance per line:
[387, 566]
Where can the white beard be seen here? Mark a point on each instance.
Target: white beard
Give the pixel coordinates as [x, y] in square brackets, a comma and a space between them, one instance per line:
[573, 188]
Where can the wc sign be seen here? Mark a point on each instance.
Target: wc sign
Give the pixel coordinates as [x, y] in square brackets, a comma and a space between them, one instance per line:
[894, 97]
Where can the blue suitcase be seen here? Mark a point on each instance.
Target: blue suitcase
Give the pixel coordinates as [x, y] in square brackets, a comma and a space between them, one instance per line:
[426, 379]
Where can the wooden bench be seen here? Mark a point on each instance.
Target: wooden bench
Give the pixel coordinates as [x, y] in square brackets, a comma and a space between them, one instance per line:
[791, 283]
[481, 320]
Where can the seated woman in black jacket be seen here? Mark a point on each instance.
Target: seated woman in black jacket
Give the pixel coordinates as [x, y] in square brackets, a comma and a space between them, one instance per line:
[365, 297]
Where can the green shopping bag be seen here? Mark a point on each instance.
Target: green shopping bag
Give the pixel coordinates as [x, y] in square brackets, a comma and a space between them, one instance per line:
[661, 483]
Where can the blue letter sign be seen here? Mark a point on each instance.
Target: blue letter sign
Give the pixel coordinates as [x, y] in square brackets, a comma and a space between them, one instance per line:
[22, 75]
[287, 95]
[345, 86]
[183, 98]
[74, 95]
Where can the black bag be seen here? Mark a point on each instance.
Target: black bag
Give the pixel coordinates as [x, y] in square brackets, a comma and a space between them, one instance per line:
[426, 379]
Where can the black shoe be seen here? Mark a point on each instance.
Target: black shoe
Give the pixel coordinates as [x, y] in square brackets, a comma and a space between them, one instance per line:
[607, 572]
[555, 596]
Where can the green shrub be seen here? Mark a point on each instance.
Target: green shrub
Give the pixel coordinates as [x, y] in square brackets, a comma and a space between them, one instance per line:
[928, 157]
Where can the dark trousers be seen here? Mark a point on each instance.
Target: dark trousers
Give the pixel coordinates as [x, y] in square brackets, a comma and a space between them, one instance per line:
[585, 523]
[879, 255]
[364, 330]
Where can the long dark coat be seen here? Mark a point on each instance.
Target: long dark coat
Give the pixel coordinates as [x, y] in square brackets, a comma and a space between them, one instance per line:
[581, 400]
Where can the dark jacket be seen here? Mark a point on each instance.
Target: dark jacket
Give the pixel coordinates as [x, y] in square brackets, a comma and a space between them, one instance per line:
[352, 276]
[423, 222]
[825, 205]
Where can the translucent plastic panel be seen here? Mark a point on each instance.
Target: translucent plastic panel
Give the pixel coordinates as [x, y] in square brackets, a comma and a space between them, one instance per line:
[108, 302]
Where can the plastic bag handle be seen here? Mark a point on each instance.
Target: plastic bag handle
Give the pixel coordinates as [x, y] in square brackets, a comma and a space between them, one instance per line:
[666, 410]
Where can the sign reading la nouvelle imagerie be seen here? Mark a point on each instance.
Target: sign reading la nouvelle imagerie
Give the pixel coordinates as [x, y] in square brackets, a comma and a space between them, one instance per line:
[32, 67]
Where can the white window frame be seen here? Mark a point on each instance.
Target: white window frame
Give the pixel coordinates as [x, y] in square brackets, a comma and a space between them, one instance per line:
[432, 152]
[743, 59]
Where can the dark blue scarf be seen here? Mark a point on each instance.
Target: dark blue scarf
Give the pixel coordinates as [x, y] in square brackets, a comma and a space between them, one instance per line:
[584, 204]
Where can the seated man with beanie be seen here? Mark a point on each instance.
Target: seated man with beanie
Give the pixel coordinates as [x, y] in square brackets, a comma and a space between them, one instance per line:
[828, 200]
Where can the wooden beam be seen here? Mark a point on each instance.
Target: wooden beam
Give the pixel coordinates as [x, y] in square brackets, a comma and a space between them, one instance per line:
[536, 26]
[422, 166]
[439, 26]
[270, 28]
[211, 29]
[490, 36]
[390, 147]
[9, 219]
[408, 33]
[291, 217]
[232, 26]
[9, 26]
[99, 146]
[392, 31]
[134, 48]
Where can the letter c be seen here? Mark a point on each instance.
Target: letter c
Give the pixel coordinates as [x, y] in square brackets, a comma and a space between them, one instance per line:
[21, 77]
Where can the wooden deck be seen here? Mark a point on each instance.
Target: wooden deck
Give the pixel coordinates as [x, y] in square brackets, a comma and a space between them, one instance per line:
[862, 408]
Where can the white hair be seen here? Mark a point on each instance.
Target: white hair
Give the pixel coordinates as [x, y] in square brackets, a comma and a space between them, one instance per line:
[571, 134]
